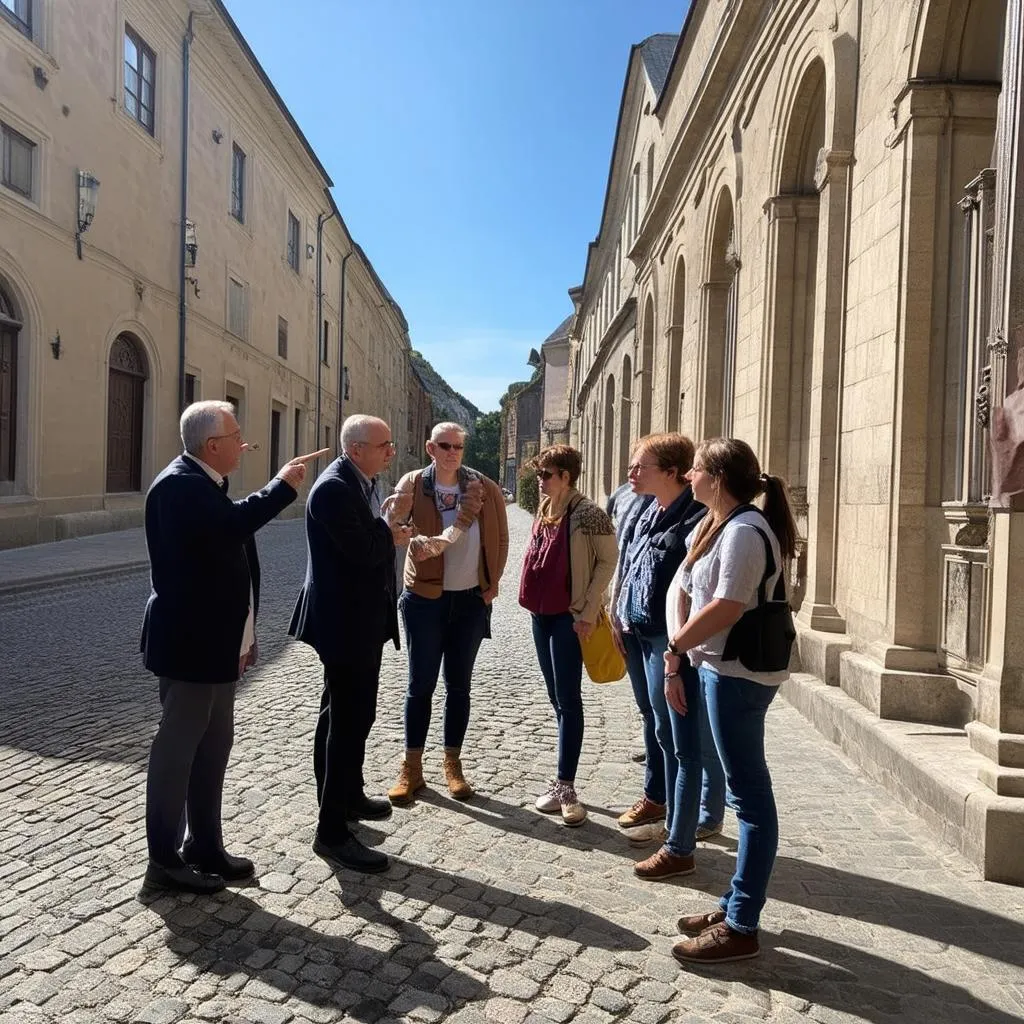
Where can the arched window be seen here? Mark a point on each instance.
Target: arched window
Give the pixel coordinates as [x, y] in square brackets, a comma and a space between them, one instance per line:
[608, 441]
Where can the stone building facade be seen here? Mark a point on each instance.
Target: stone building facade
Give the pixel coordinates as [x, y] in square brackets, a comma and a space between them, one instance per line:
[143, 266]
[554, 357]
[811, 240]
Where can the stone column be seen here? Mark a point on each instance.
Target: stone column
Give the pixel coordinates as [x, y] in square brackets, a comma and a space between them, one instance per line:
[998, 732]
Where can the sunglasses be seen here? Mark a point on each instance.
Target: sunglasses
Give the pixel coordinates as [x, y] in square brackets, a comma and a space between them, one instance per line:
[545, 474]
[447, 446]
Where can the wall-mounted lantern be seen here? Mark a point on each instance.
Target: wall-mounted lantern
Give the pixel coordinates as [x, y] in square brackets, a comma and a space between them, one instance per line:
[55, 345]
[347, 391]
[191, 254]
[88, 190]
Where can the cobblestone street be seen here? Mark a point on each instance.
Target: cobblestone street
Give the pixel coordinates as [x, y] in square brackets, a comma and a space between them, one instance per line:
[490, 912]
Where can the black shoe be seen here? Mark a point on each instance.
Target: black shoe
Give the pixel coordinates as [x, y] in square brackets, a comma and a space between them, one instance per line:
[231, 869]
[181, 878]
[369, 808]
[351, 853]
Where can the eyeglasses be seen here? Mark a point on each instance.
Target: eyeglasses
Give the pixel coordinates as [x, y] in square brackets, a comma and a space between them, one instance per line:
[447, 446]
[635, 467]
[384, 444]
[235, 435]
[545, 474]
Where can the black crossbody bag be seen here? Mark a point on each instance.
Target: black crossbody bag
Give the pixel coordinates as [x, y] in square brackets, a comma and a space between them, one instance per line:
[762, 639]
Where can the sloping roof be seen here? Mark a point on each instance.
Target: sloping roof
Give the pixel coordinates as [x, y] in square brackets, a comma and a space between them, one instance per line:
[657, 52]
[561, 332]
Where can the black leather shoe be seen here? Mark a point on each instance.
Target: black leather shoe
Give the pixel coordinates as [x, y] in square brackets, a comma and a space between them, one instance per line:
[231, 869]
[369, 808]
[181, 878]
[351, 853]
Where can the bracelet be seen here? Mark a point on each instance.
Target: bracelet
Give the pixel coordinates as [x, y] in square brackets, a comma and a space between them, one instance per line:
[671, 675]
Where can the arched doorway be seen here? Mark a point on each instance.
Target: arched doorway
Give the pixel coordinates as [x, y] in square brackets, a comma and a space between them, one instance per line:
[720, 301]
[10, 327]
[625, 420]
[608, 441]
[647, 367]
[673, 393]
[126, 395]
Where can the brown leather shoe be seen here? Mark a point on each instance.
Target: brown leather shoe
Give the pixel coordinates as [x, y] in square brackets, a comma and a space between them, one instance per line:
[410, 779]
[718, 944]
[694, 924]
[459, 788]
[643, 812]
[664, 864]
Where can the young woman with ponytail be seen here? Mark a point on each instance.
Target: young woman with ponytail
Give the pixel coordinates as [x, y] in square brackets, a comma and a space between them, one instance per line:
[716, 584]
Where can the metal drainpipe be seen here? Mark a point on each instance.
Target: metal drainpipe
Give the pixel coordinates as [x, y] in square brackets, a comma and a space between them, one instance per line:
[321, 219]
[186, 50]
[341, 349]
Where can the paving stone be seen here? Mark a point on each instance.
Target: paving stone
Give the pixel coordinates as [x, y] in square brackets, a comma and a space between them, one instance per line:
[490, 912]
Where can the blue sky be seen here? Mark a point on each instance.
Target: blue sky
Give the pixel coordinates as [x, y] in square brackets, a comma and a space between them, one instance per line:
[469, 143]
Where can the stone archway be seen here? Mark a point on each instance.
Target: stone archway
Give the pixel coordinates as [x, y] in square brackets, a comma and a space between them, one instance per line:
[719, 319]
[127, 372]
[673, 392]
[647, 367]
[625, 421]
[10, 328]
[608, 440]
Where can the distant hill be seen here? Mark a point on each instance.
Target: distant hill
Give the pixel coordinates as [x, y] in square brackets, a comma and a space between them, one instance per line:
[447, 403]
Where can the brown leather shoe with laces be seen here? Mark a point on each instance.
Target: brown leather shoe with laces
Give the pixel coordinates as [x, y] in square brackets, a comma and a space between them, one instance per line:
[410, 779]
[694, 924]
[718, 944]
[643, 812]
[664, 864]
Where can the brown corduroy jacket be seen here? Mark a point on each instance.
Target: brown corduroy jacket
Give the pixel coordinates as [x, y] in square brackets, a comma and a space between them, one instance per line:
[426, 578]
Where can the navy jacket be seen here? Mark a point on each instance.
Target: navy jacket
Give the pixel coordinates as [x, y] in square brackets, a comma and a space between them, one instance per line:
[349, 597]
[203, 560]
[652, 570]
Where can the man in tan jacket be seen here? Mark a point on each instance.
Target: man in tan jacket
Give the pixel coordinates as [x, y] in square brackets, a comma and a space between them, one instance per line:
[451, 579]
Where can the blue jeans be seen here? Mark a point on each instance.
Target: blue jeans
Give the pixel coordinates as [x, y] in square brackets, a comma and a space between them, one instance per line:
[736, 710]
[654, 773]
[712, 797]
[561, 664]
[446, 629]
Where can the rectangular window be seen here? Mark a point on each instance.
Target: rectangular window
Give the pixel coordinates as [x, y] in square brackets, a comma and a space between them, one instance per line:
[297, 435]
[18, 158]
[19, 14]
[325, 344]
[238, 184]
[190, 388]
[282, 337]
[293, 241]
[236, 307]
[139, 80]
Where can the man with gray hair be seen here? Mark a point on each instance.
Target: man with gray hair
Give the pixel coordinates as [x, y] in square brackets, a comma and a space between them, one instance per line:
[346, 612]
[198, 637]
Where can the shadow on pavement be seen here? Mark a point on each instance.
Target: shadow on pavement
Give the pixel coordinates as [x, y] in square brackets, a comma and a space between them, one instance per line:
[854, 982]
[471, 898]
[854, 897]
[229, 934]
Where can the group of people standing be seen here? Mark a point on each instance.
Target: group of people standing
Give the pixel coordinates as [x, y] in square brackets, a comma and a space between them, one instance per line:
[687, 557]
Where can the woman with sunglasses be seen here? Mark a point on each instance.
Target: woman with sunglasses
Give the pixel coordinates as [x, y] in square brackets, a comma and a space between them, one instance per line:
[566, 570]
[725, 567]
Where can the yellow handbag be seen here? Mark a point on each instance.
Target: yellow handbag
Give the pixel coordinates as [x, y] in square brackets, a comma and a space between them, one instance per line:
[601, 657]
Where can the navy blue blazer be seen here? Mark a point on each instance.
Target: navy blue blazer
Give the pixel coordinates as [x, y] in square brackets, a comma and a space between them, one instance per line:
[349, 596]
[203, 560]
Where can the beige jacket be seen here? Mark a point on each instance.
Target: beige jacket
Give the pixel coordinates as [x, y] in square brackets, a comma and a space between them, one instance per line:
[593, 553]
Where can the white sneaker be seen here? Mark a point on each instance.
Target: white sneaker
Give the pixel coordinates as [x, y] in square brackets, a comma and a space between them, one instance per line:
[642, 834]
[573, 812]
[550, 802]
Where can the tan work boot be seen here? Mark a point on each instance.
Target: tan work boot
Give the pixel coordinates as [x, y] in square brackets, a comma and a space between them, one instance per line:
[459, 788]
[410, 779]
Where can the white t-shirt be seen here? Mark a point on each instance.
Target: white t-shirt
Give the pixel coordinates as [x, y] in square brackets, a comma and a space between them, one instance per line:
[461, 559]
[731, 569]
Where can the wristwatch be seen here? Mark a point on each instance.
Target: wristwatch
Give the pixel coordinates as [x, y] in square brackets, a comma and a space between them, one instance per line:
[672, 649]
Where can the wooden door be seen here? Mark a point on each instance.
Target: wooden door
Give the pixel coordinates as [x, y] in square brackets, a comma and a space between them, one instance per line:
[8, 400]
[126, 393]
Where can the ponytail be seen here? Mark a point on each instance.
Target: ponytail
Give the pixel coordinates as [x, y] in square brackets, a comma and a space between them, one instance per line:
[779, 513]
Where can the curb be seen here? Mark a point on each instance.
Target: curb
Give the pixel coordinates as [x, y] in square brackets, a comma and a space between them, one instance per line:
[56, 579]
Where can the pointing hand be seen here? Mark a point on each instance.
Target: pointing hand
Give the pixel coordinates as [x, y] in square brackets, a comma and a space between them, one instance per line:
[294, 472]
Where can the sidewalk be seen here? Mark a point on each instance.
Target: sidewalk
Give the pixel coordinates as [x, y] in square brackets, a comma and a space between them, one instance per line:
[81, 558]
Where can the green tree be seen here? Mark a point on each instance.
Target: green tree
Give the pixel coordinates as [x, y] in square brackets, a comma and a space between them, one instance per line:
[528, 496]
[482, 447]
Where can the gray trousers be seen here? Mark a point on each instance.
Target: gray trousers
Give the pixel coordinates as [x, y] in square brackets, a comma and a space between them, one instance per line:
[187, 762]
